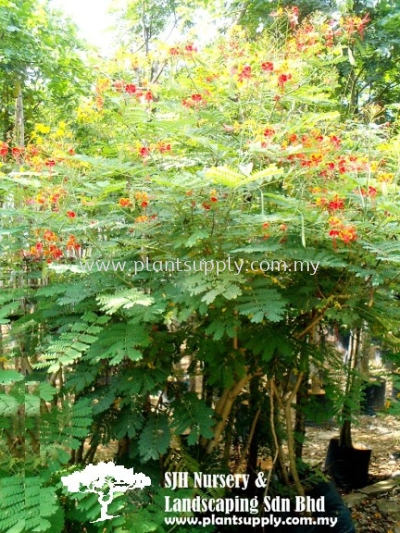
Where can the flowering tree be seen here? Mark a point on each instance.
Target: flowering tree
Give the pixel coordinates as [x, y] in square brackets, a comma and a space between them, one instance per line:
[238, 156]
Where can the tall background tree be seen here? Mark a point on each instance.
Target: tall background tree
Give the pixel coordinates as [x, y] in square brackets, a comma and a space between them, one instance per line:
[41, 65]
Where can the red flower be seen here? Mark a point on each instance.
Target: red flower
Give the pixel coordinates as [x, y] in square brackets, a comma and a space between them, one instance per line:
[190, 48]
[53, 199]
[144, 204]
[55, 252]
[246, 73]
[164, 147]
[50, 163]
[269, 132]
[195, 100]
[33, 150]
[284, 78]
[130, 88]
[362, 24]
[119, 85]
[293, 15]
[71, 214]
[335, 140]
[144, 151]
[371, 192]
[336, 204]
[148, 96]
[292, 138]
[206, 205]
[16, 152]
[267, 66]
[3, 149]
[334, 233]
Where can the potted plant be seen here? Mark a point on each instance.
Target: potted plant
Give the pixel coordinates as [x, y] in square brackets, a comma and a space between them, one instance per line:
[346, 463]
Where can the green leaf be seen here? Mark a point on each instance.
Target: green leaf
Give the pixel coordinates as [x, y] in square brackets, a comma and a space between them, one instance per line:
[10, 376]
[155, 437]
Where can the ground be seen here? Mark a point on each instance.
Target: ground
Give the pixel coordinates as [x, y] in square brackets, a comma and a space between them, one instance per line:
[375, 508]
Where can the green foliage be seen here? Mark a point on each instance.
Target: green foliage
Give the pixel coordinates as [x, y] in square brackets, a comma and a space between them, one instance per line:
[192, 415]
[207, 175]
[155, 437]
[27, 505]
[32, 32]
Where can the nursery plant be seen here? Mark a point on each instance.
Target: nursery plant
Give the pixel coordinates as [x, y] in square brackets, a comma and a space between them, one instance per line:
[226, 209]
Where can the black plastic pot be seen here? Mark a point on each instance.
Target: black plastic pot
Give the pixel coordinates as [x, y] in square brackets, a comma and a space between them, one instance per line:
[374, 396]
[334, 507]
[347, 466]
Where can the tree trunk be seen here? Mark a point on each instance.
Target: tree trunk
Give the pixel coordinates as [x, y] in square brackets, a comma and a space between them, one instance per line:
[300, 421]
[19, 131]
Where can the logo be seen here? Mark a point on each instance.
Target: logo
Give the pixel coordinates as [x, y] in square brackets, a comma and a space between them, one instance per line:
[105, 479]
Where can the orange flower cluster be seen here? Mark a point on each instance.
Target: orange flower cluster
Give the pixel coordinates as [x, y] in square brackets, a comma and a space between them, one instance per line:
[325, 158]
[355, 24]
[306, 37]
[72, 243]
[142, 198]
[132, 90]
[162, 147]
[194, 101]
[49, 198]
[49, 247]
[125, 202]
[245, 74]
[340, 231]
[371, 192]
[188, 49]
[142, 219]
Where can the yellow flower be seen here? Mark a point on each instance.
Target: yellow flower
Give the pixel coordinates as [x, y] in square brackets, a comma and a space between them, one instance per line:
[42, 128]
[385, 177]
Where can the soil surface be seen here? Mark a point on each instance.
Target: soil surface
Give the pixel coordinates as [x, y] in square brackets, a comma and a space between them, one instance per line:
[375, 508]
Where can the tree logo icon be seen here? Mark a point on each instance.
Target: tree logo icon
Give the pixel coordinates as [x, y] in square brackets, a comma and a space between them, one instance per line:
[105, 479]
